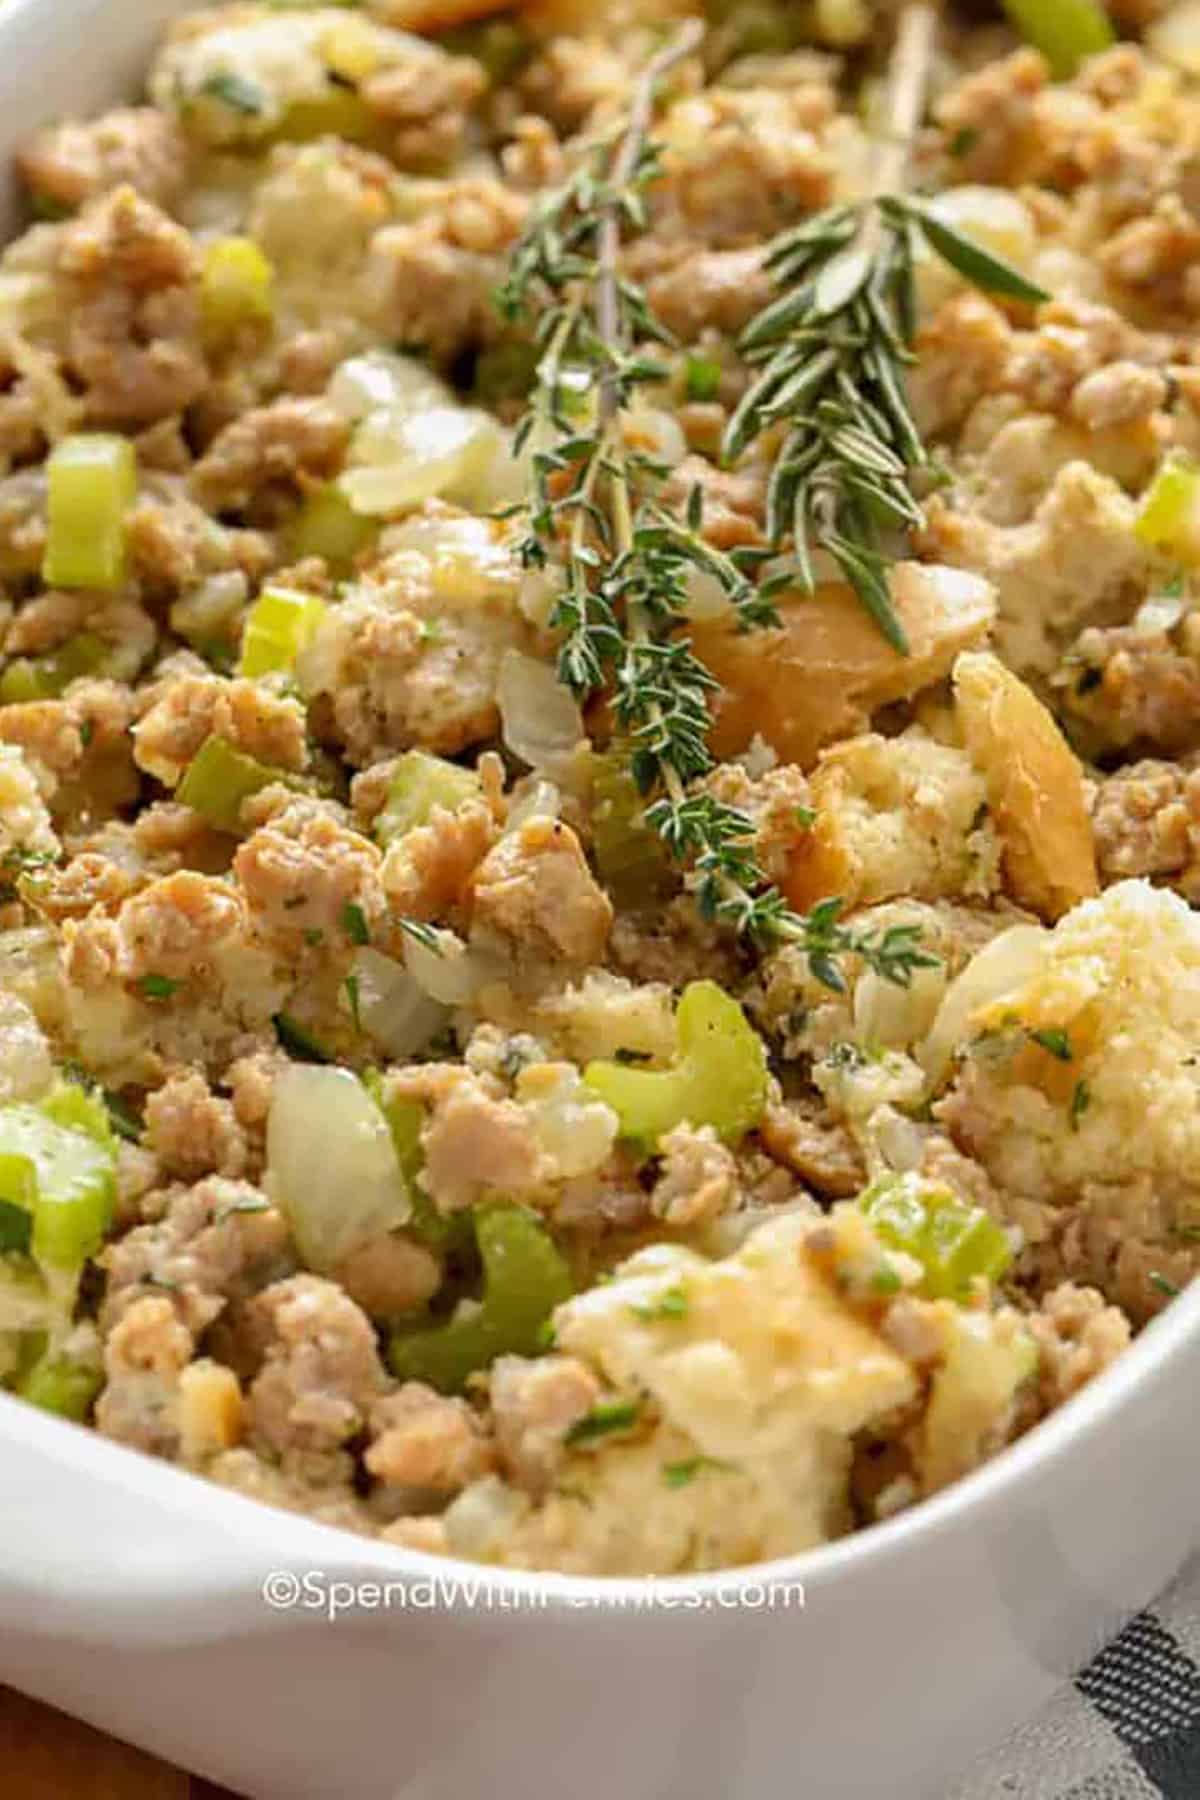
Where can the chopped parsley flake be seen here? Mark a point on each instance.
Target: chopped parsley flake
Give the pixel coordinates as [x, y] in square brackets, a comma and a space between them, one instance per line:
[673, 1304]
[354, 923]
[235, 91]
[605, 1417]
[679, 1474]
[1054, 1042]
[158, 987]
[351, 986]
[1081, 1099]
[1163, 1285]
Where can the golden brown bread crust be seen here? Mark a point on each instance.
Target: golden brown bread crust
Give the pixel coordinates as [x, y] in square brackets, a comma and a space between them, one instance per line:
[820, 675]
[1035, 787]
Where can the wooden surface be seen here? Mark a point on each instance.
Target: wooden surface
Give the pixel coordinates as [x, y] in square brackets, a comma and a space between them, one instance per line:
[46, 1756]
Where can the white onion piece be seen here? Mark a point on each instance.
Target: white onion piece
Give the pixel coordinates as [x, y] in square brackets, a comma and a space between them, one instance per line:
[393, 1009]
[1006, 963]
[26, 1068]
[400, 460]
[450, 974]
[331, 1164]
[539, 800]
[540, 719]
[480, 1521]
[380, 379]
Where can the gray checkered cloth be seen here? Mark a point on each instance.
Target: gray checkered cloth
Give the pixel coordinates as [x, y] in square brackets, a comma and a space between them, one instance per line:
[1128, 1728]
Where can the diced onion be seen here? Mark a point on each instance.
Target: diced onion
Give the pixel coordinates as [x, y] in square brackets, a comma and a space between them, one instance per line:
[379, 380]
[483, 1517]
[448, 974]
[1176, 37]
[26, 1068]
[540, 718]
[393, 1009]
[1006, 963]
[399, 460]
[537, 800]
[331, 1164]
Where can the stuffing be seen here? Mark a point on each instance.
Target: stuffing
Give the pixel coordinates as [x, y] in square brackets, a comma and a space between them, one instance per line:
[321, 1374]
[1076, 562]
[1077, 1082]
[534, 892]
[66, 165]
[191, 708]
[903, 815]
[669, 1036]
[130, 311]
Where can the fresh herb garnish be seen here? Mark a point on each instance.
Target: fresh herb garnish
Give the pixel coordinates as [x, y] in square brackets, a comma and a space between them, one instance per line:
[671, 1304]
[832, 348]
[605, 1417]
[702, 376]
[1055, 1042]
[297, 1041]
[1081, 1099]
[679, 1474]
[158, 987]
[351, 986]
[422, 933]
[1164, 1286]
[235, 91]
[623, 560]
[354, 923]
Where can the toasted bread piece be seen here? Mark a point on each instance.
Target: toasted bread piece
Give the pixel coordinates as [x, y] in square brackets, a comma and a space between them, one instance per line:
[820, 675]
[1035, 787]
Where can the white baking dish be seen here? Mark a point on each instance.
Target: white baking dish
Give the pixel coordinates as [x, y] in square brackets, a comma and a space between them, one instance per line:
[132, 1594]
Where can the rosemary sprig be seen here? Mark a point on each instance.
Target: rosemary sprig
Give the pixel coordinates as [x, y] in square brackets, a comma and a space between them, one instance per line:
[624, 559]
[831, 350]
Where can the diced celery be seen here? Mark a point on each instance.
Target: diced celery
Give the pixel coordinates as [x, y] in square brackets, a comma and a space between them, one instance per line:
[1065, 31]
[952, 1241]
[218, 779]
[524, 1278]
[340, 112]
[419, 783]
[64, 1178]
[91, 484]
[61, 1385]
[719, 1077]
[327, 525]
[80, 1109]
[281, 623]
[236, 282]
[630, 855]
[45, 677]
[1169, 516]
[439, 1231]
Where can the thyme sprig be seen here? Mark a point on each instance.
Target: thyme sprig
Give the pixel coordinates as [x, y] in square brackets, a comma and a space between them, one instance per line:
[625, 560]
[831, 350]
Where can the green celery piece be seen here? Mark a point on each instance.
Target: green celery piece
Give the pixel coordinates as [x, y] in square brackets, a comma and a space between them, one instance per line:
[419, 783]
[328, 526]
[63, 1177]
[236, 282]
[1169, 516]
[437, 1231]
[80, 1109]
[58, 1384]
[1065, 31]
[219, 778]
[281, 623]
[952, 1241]
[719, 1079]
[524, 1278]
[630, 855]
[45, 677]
[91, 485]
